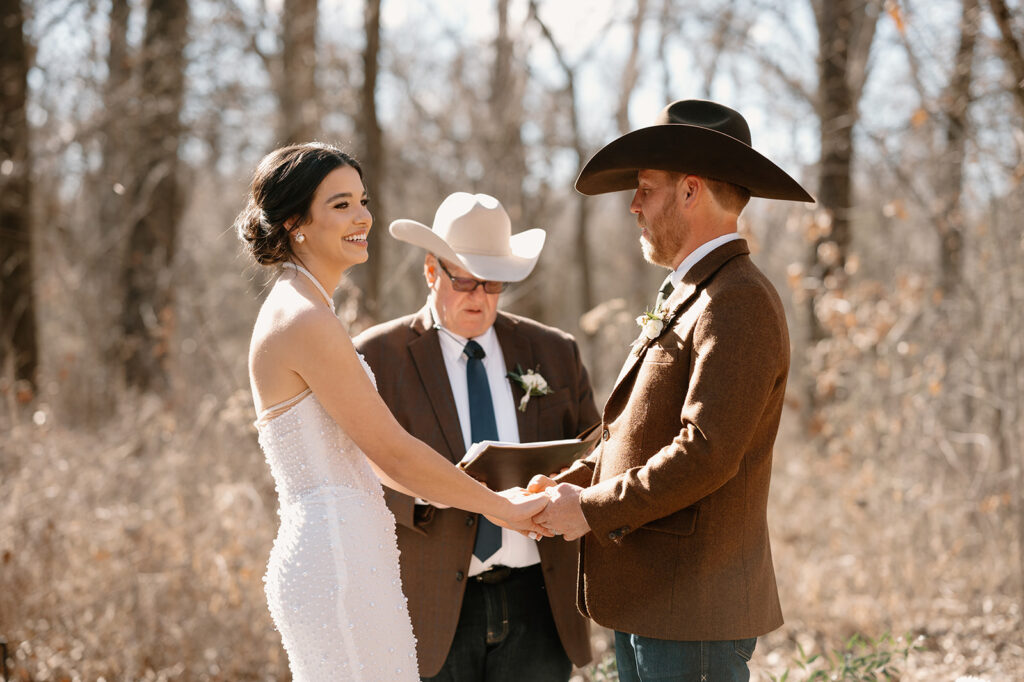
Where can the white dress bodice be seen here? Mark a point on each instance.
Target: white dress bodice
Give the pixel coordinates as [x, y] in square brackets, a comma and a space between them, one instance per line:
[309, 453]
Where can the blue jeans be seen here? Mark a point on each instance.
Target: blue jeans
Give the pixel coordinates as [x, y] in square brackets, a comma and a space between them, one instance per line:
[506, 633]
[640, 659]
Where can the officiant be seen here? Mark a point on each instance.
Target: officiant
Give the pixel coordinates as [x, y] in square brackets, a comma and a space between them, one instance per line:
[486, 603]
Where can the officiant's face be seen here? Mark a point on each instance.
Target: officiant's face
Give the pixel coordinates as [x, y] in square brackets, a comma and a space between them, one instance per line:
[468, 314]
[663, 227]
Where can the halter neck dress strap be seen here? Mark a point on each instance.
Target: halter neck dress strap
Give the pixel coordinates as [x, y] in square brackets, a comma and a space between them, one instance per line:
[316, 283]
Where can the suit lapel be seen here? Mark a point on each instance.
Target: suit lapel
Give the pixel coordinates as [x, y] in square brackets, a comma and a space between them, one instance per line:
[425, 349]
[517, 350]
[680, 300]
[674, 305]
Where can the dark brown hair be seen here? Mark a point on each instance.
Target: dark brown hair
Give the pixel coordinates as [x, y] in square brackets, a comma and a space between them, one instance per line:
[282, 189]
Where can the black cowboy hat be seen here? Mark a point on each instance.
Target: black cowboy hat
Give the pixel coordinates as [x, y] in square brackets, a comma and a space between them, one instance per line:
[690, 136]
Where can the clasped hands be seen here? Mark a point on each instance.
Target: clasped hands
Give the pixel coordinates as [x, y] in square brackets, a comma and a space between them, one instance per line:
[560, 513]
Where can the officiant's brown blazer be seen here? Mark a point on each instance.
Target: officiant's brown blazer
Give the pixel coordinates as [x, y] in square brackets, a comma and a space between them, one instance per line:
[436, 544]
[678, 487]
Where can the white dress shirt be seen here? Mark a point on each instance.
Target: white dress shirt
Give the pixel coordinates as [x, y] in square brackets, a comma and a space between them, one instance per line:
[697, 254]
[516, 551]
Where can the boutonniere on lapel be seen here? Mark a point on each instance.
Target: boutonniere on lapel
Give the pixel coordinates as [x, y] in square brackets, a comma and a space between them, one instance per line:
[652, 324]
[532, 383]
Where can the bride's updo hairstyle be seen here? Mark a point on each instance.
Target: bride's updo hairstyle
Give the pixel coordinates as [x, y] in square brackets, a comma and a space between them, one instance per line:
[282, 188]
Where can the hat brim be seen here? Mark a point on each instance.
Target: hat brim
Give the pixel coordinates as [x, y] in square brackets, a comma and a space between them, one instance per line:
[686, 148]
[525, 248]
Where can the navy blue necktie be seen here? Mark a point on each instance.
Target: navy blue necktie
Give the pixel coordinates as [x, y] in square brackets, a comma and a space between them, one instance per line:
[482, 426]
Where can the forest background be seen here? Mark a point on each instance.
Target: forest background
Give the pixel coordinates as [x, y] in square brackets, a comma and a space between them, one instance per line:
[136, 511]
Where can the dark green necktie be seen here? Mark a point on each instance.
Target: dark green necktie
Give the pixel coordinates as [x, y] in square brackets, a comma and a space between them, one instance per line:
[664, 292]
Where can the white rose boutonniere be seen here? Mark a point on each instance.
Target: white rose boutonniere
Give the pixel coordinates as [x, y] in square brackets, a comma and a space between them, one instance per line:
[532, 384]
[652, 323]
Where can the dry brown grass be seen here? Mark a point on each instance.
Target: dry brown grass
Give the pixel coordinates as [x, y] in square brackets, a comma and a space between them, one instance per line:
[136, 550]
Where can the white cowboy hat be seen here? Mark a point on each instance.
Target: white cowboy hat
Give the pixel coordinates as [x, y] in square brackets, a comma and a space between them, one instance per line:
[474, 231]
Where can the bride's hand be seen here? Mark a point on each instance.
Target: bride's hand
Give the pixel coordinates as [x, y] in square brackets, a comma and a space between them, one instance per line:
[522, 507]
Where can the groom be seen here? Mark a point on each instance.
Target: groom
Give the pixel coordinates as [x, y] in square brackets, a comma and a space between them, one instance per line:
[486, 603]
[672, 503]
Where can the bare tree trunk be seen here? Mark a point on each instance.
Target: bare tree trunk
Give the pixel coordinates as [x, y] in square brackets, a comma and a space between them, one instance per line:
[116, 97]
[118, 101]
[957, 100]
[1011, 48]
[372, 159]
[667, 24]
[631, 70]
[148, 315]
[506, 165]
[297, 79]
[719, 40]
[845, 32]
[586, 295]
[846, 29]
[505, 153]
[837, 114]
[19, 345]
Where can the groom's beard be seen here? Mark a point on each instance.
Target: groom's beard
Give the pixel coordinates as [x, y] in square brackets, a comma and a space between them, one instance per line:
[665, 236]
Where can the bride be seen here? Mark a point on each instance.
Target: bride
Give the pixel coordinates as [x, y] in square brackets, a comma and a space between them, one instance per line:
[332, 581]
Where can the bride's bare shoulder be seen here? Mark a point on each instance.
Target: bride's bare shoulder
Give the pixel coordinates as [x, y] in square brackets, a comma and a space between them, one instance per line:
[289, 318]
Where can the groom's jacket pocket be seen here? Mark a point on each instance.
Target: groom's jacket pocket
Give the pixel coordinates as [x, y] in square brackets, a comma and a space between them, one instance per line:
[682, 522]
[659, 355]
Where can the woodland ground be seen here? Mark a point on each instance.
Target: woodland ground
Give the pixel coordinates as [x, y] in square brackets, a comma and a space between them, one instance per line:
[136, 552]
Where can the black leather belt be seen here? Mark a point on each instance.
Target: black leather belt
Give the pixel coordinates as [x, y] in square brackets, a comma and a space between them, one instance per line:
[500, 574]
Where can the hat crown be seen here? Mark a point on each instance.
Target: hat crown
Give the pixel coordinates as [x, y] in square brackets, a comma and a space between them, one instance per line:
[473, 224]
[705, 114]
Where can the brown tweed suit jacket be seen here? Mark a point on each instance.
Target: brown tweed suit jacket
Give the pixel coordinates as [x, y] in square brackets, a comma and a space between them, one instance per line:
[436, 546]
[678, 487]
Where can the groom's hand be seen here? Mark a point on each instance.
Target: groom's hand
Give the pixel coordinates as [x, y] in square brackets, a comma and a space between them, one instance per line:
[563, 515]
[524, 524]
[539, 483]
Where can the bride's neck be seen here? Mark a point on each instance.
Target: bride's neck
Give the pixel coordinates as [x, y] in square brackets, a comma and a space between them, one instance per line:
[328, 276]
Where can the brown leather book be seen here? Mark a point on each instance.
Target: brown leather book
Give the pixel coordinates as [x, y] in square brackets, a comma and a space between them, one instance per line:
[502, 465]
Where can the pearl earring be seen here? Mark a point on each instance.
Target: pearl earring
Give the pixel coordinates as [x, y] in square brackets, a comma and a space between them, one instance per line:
[299, 238]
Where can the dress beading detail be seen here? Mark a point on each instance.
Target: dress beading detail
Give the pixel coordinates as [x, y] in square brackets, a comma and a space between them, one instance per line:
[332, 582]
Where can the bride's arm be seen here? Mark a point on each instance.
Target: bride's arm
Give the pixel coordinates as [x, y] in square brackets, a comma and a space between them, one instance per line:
[321, 352]
[395, 485]
[390, 482]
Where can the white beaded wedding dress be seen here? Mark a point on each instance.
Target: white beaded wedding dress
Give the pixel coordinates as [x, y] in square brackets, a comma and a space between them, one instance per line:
[332, 582]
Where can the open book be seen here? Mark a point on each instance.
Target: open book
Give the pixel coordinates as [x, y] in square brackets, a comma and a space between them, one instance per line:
[502, 465]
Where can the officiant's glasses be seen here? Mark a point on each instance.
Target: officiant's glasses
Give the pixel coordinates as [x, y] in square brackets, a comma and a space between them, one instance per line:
[467, 284]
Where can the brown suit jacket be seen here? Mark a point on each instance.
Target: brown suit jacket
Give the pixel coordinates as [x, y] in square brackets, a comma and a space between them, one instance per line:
[436, 544]
[678, 487]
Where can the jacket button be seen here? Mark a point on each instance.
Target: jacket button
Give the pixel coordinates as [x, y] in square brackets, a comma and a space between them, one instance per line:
[459, 575]
[470, 520]
[605, 435]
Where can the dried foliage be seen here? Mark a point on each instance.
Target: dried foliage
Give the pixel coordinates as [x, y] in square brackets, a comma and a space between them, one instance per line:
[136, 552]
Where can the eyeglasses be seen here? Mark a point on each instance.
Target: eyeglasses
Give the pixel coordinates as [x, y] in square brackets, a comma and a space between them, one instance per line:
[467, 284]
